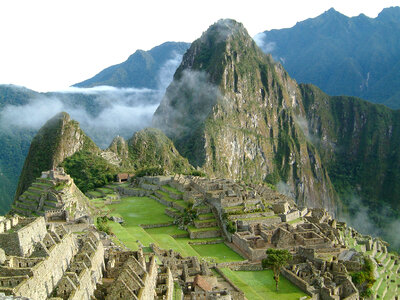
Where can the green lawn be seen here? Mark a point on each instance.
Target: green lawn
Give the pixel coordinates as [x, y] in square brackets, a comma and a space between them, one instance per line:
[220, 252]
[171, 230]
[259, 285]
[140, 210]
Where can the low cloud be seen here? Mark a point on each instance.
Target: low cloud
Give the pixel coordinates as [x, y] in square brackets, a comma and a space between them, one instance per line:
[360, 217]
[122, 116]
[103, 112]
[187, 102]
[285, 189]
[261, 41]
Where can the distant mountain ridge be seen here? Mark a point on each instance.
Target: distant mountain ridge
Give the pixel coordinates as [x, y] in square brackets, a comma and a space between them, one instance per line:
[358, 56]
[140, 69]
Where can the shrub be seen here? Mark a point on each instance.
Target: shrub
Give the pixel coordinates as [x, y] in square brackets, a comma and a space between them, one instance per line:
[230, 227]
[102, 225]
[197, 173]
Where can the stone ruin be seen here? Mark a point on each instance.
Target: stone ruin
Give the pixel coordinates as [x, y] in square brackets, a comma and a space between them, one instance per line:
[55, 196]
[40, 260]
[196, 278]
[36, 259]
[130, 275]
[88, 265]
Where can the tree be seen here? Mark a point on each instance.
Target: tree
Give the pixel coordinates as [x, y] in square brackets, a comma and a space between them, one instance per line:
[276, 259]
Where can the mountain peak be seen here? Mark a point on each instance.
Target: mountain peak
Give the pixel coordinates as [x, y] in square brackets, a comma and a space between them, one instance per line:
[60, 137]
[390, 14]
[223, 29]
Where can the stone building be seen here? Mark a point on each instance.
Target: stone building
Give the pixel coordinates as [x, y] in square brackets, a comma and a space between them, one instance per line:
[129, 275]
[35, 258]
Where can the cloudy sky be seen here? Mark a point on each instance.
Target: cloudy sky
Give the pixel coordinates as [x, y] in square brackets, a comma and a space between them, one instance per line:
[50, 45]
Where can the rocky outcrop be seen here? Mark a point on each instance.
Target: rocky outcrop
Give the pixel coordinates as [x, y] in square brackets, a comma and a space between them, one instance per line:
[236, 113]
[58, 139]
[150, 148]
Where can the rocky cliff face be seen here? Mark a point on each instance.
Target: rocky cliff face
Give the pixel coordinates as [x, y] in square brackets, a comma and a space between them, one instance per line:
[234, 112]
[358, 142]
[58, 139]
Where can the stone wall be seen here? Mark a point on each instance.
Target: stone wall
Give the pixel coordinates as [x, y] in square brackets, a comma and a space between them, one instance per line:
[21, 241]
[162, 201]
[134, 192]
[247, 267]
[150, 280]
[56, 215]
[293, 215]
[170, 285]
[91, 275]
[157, 180]
[300, 283]
[251, 253]
[150, 187]
[47, 273]
[251, 215]
[267, 221]
[237, 294]
[147, 226]
[171, 213]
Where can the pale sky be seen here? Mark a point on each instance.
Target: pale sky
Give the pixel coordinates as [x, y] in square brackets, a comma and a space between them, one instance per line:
[50, 45]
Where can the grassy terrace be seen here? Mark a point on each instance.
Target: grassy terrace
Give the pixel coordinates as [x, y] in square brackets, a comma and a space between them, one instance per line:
[207, 216]
[95, 194]
[166, 196]
[106, 190]
[260, 285]
[194, 229]
[145, 210]
[172, 189]
[44, 184]
[206, 220]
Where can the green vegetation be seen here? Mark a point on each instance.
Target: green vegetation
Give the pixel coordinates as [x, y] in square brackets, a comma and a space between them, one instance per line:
[276, 260]
[351, 158]
[102, 224]
[89, 170]
[186, 218]
[230, 226]
[140, 210]
[172, 189]
[152, 152]
[260, 285]
[365, 278]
